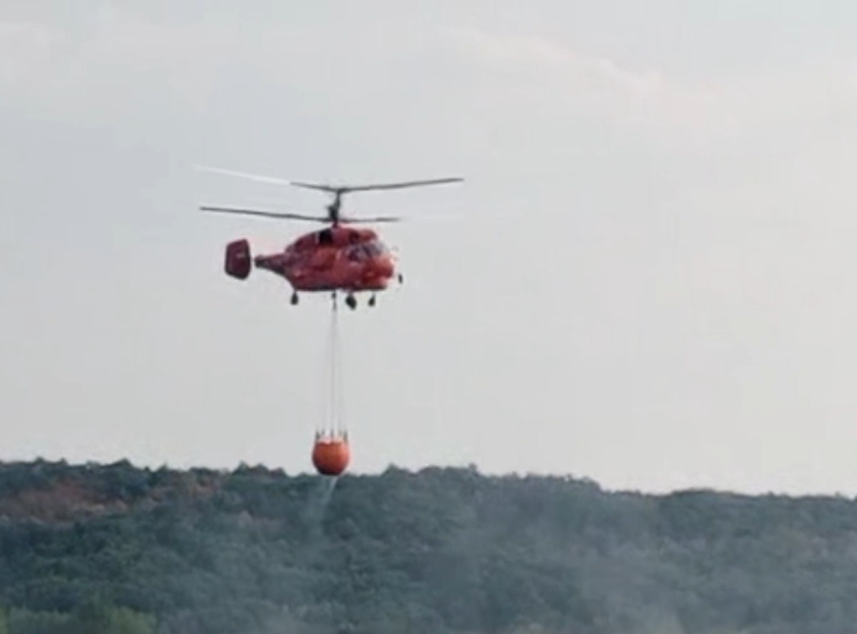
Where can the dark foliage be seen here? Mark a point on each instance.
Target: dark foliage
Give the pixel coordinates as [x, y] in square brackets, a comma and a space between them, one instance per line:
[110, 549]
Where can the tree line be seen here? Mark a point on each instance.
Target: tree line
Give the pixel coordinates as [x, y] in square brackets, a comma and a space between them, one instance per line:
[116, 549]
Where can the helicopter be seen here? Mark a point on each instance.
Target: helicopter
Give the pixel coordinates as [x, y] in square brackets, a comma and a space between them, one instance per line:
[340, 257]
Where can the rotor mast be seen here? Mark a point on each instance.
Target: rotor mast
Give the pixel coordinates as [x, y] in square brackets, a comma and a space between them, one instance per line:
[334, 207]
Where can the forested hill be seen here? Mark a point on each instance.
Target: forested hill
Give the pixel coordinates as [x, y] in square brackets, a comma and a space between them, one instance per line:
[111, 548]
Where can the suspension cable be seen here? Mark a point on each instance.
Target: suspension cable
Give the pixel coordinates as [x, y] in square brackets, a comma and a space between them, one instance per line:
[333, 419]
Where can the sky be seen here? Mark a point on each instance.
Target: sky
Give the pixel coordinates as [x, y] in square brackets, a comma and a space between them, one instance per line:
[645, 279]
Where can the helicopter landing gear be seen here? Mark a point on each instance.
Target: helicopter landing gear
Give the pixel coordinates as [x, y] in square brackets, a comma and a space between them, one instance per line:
[294, 299]
[372, 300]
[351, 301]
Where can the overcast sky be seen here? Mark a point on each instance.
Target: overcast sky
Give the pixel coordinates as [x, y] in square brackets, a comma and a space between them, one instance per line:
[647, 278]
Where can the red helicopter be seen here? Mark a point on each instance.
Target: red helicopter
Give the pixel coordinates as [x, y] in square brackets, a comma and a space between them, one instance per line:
[339, 257]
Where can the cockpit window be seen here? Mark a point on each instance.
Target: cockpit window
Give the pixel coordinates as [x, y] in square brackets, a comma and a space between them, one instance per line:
[366, 251]
[375, 248]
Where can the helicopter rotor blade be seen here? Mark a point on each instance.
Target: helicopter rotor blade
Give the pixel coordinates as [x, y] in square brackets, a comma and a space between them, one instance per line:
[254, 177]
[318, 186]
[401, 185]
[265, 214]
[333, 189]
[368, 220]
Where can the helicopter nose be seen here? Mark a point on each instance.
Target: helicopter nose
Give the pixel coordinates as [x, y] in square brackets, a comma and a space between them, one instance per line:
[385, 267]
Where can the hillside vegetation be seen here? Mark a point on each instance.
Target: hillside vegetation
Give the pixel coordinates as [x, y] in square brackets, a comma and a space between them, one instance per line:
[109, 549]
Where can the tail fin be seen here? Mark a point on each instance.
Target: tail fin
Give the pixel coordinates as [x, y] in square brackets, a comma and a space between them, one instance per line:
[238, 262]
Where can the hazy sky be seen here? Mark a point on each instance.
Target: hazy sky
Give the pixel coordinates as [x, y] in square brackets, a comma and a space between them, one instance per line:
[647, 278]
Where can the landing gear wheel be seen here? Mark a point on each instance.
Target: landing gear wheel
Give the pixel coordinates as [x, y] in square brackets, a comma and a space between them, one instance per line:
[294, 299]
[372, 300]
[351, 301]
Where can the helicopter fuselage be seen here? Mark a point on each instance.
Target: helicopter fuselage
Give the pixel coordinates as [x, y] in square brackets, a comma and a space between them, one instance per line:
[339, 257]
